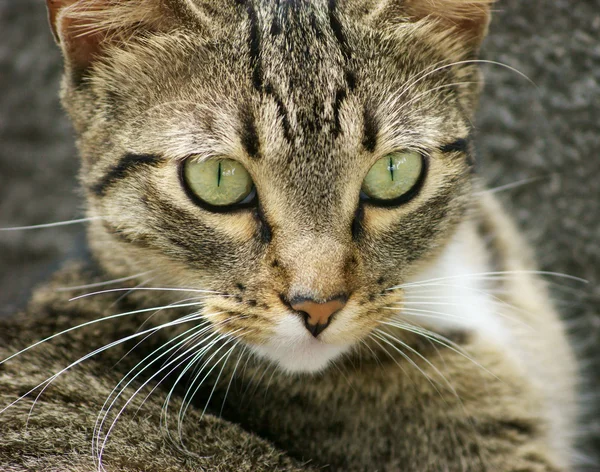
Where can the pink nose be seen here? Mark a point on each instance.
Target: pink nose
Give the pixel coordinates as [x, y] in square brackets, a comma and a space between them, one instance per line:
[318, 315]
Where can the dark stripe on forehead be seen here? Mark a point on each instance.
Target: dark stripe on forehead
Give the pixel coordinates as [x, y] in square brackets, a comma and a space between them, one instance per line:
[281, 111]
[248, 132]
[370, 128]
[340, 96]
[350, 79]
[254, 46]
[121, 170]
[337, 28]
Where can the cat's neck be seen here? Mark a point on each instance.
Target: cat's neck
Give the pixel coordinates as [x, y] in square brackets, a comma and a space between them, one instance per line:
[454, 292]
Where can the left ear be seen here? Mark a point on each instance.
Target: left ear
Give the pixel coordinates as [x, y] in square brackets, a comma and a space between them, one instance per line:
[84, 29]
[79, 39]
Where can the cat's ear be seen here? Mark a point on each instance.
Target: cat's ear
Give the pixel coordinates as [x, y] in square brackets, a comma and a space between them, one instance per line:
[468, 19]
[85, 28]
[80, 44]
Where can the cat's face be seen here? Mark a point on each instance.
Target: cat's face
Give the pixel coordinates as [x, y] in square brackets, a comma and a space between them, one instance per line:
[338, 143]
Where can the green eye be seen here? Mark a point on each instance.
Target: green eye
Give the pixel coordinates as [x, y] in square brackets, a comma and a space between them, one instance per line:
[218, 182]
[394, 177]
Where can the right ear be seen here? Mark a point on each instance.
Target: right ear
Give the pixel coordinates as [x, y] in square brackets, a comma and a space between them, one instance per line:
[85, 28]
[465, 20]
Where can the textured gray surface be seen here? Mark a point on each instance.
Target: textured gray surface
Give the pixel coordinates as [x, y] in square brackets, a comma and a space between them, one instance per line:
[37, 154]
[549, 131]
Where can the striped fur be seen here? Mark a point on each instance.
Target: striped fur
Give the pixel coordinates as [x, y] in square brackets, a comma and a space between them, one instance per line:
[307, 95]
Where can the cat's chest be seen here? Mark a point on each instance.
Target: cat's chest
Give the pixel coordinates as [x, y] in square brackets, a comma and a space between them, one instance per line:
[361, 415]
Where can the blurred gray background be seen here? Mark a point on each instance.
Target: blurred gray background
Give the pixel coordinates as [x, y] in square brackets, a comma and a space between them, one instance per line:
[549, 131]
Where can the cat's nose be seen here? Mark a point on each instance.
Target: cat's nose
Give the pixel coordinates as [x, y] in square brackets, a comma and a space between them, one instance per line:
[317, 316]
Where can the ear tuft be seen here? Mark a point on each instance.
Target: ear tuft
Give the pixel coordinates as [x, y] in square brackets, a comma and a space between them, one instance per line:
[83, 28]
[469, 19]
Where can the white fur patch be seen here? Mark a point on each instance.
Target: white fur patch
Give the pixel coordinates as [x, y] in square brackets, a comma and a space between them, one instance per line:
[449, 295]
[452, 293]
[294, 349]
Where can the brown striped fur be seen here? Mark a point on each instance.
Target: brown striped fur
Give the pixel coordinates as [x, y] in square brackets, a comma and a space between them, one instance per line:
[307, 95]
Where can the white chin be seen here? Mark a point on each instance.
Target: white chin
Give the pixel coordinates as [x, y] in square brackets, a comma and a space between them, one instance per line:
[295, 350]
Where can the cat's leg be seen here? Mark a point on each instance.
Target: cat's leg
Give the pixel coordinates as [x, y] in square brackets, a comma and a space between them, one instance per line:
[488, 414]
[57, 434]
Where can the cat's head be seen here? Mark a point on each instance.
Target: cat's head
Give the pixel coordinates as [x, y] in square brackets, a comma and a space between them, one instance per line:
[296, 157]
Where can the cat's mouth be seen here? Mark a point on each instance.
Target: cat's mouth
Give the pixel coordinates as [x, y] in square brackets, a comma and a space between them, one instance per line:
[294, 349]
[301, 335]
[296, 346]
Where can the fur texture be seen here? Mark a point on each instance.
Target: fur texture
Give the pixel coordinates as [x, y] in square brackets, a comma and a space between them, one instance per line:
[255, 109]
[472, 410]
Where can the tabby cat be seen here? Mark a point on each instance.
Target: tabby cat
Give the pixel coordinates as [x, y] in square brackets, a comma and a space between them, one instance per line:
[294, 265]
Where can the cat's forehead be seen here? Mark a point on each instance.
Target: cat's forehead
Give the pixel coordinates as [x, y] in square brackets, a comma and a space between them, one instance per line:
[300, 45]
[287, 85]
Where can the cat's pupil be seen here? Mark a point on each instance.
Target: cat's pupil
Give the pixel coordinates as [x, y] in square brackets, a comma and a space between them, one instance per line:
[391, 168]
[219, 175]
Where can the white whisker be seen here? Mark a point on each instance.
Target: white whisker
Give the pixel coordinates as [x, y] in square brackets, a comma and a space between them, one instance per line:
[226, 357]
[196, 301]
[186, 403]
[275, 371]
[46, 383]
[422, 312]
[442, 340]
[267, 366]
[242, 352]
[135, 393]
[203, 331]
[384, 349]
[188, 338]
[102, 284]
[518, 183]
[89, 323]
[426, 92]
[130, 291]
[427, 72]
[493, 300]
[374, 356]
[54, 225]
[491, 276]
[425, 313]
[149, 289]
[407, 357]
[194, 359]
